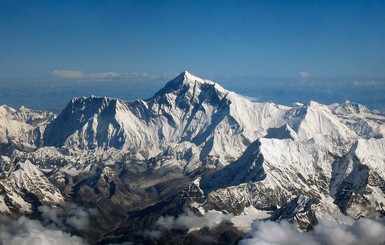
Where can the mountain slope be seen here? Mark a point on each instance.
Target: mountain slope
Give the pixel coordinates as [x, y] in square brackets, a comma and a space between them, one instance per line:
[23, 185]
[22, 128]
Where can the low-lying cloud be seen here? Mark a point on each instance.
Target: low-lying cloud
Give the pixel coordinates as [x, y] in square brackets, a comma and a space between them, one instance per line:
[355, 232]
[53, 228]
[331, 232]
[187, 221]
[75, 216]
[191, 221]
[24, 231]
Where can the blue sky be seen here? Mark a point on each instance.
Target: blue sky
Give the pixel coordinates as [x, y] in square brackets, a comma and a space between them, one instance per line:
[253, 38]
[54, 50]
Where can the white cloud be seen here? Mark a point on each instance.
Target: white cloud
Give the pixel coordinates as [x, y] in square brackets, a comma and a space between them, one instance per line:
[73, 216]
[355, 232]
[304, 74]
[104, 75]
[142, 75]
[68, 74]
[31, 232]
[188, 220]
[79, 217]
[50, 215]
[108, 76]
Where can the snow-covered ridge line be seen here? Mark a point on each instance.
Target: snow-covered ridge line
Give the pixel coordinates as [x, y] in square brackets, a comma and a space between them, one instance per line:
[191, 109]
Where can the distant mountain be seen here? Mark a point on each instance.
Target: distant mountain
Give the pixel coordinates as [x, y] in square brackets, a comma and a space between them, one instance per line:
[192, 149]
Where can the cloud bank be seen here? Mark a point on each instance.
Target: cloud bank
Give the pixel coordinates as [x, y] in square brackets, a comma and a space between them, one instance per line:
[69, 74]
[31, 232]
[109, 75]
[51, 230]
[331, 232]
[356, 232]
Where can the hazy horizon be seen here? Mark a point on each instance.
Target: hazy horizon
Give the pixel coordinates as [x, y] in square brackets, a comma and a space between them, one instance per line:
[53, 94]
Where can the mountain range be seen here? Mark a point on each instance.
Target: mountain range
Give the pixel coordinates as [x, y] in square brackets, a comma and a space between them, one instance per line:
[193, 164]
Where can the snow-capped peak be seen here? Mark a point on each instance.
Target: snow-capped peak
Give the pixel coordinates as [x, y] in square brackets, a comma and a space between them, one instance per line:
[316, 121]
[186, 81]
[4, 110]
[188, 77]
[349, 108]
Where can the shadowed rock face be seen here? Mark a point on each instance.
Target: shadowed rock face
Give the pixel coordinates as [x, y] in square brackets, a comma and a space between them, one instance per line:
[192, 146]
[300, 210]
